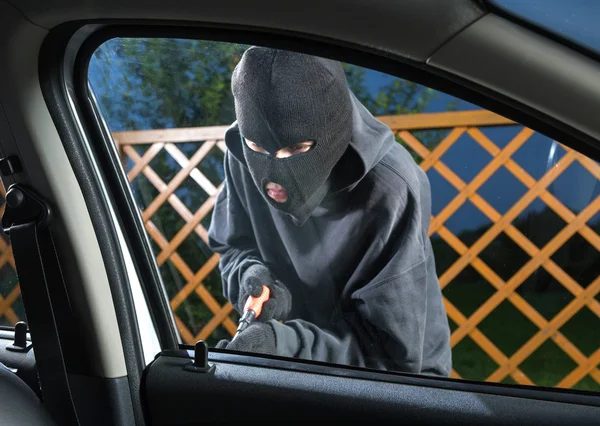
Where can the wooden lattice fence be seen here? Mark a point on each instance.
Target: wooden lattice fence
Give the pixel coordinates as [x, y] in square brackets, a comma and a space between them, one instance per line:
[406, 128]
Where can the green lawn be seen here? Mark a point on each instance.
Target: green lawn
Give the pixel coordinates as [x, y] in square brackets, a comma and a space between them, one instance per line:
[508, 329]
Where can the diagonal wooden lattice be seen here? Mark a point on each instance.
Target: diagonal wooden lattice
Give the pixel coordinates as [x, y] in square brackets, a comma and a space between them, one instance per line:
[461, 124]
[169, 248]
[539, 257]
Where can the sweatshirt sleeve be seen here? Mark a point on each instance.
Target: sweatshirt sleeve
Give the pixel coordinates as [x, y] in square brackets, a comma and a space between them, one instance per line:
[396, 321]
[230, 235]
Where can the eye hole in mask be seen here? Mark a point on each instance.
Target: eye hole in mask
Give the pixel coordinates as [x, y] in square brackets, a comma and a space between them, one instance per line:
[290, 151]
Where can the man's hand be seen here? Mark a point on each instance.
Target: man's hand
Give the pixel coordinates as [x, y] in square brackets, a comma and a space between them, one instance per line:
[259, 337]
[280, 301]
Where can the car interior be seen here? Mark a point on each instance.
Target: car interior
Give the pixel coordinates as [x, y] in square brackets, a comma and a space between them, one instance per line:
[100, 345]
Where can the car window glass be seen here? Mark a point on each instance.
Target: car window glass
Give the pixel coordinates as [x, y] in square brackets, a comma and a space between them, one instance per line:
[573, 20]
[421, 233]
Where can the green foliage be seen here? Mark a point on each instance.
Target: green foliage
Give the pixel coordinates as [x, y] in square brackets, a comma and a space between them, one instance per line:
[395, 97]
[164, 83]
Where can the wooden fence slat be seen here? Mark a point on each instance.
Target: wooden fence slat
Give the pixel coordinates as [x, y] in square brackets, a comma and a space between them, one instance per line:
[580, 372]
[527, 270]
[523, 273]
[205, 295]
[187, 229]
[188, 275]
[516, 300]
[195, 174]
[558, 207]
[215, 321]
[178, 299]
[162, 242]
[571, 285]
[482, 177]
[6, 305]
[574, 352]
[150, 174]
[7, 255]
[143, 161]
[590, 165]
[187, 134]
[541, 336]
[179, 178]
[185, 332]
[444, 120]
[508, 217]
[485, 344]
[441, 149]
[414, 143]
[548, 198]
[567, 215]
[173, 200]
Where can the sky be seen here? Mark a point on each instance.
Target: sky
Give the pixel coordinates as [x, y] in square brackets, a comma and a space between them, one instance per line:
[575, 187]
[576, 20]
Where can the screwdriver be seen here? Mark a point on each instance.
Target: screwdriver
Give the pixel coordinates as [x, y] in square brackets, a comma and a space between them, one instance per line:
[252, 310]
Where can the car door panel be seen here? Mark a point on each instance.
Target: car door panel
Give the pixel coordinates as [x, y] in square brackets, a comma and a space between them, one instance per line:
[238, 393]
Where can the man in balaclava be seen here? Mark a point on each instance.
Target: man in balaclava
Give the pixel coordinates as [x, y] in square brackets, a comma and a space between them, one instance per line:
[321, 205]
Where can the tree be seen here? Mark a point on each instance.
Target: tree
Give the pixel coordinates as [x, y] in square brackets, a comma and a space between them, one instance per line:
[164, 83]
[397, 96]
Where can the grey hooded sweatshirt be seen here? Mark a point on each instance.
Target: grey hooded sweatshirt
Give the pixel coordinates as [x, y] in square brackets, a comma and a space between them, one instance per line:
[360, 268]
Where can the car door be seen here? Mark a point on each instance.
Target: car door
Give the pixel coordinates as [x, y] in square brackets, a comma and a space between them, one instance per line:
[136, 357]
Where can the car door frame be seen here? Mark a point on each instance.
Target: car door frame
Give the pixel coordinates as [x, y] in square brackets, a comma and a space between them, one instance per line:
[66, 91]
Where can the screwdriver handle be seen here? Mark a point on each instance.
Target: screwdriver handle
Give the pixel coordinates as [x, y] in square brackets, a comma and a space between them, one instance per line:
[252, 310]
[256, 303]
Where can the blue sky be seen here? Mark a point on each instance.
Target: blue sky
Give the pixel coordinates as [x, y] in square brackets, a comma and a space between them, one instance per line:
[573, 19]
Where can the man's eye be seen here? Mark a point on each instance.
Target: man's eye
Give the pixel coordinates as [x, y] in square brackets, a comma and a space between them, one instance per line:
[301, 148]
[255, 147]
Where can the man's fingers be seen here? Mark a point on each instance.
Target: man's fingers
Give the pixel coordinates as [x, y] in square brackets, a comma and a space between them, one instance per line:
[258, 337]
[278, 292]
[268, 310]
[284, 298]
[279, 304]
[222, 344]
[245, 342]
[254, 288]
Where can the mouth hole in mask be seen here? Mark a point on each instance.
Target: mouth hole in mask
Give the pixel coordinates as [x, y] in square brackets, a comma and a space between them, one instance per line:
[276, 192]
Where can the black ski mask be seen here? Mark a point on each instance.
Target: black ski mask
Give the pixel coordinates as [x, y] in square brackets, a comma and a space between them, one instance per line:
[282, 99]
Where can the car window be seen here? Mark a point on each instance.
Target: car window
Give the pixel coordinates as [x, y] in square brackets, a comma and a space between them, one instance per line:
[11, 304]
[572, 20]
[404, 230]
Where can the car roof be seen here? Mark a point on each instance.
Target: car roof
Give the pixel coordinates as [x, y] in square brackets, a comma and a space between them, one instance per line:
[412, 29]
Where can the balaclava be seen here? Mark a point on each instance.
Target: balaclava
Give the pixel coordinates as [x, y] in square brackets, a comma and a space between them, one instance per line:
[284, 98]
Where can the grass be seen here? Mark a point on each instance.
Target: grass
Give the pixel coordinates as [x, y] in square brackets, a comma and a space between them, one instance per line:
[509, 329]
